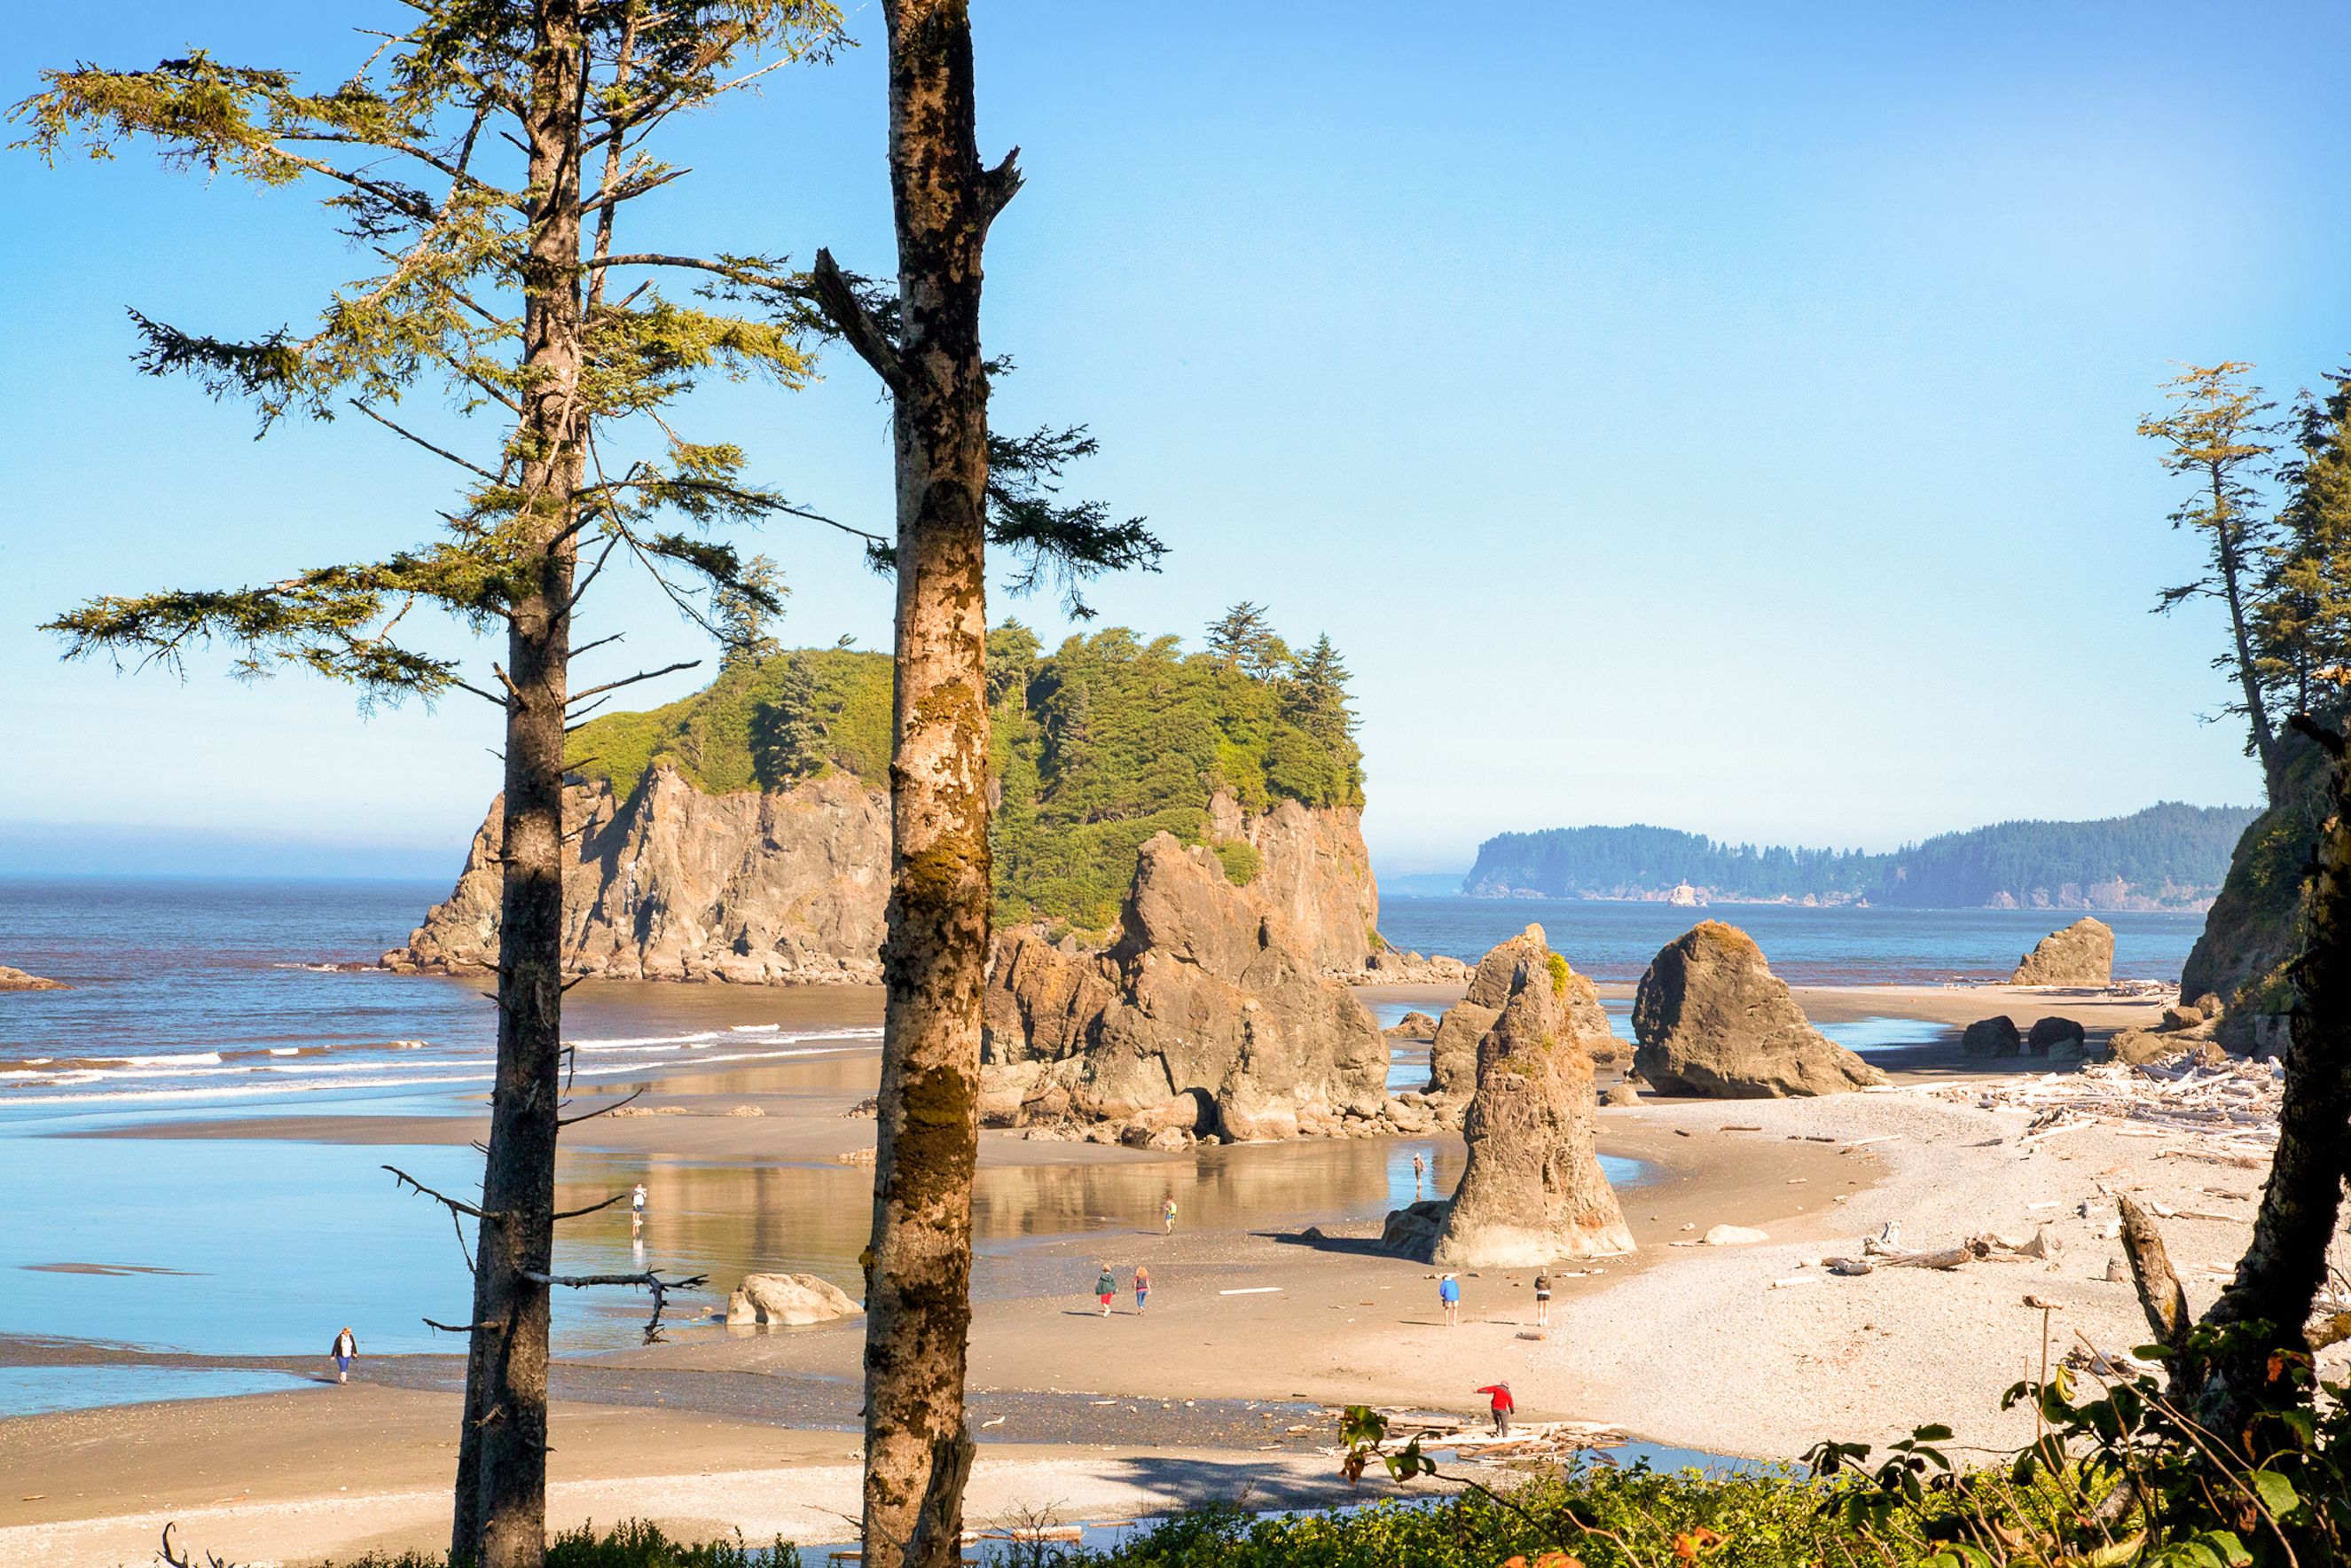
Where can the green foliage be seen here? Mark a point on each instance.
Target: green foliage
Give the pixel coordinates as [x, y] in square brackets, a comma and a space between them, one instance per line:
[1096, 748]
[764, 726]
[2170, 851]
[631, 1543]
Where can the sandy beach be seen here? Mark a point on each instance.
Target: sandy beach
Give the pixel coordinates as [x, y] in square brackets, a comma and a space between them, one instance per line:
[1258, 1324]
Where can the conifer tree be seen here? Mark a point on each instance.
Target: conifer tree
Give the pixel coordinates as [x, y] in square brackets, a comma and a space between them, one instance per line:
[743, 607]
[960, 489]
[2303, 620]
[2217, 436]
[482, 157]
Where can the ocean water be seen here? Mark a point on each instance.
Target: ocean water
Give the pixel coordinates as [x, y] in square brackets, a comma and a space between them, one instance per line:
[211, 998]
[1833, 947]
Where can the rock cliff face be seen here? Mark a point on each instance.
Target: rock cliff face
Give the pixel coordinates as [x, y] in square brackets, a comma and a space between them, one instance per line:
[2255, 925]
[1452, 1053]
[1531, 1191]
[1713, 1020]
[2083, 954]
[1206, 1015]
[672, 884]
[787, 886]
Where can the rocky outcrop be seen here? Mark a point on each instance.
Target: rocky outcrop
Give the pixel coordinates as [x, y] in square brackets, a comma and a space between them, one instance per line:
[1712, 1020]
[2254, 927]
[1386, 967]
[18, 980]
[792, 1300]
[1414, 1025]
[2083, 954]
[1453, 1050]
[672, 884]
[1531, 1191]
[1203, 1019]
[787, 886]
[2061, 1040]
[1991, 1038]
[1314, 870]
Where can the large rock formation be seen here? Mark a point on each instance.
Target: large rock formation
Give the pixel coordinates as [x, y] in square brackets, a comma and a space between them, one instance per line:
[1452, 1053]
[787, 886]
[1203, 1017]
[2254, 928]
[18, 980]
[1713, 1020]
[2083, 954]
[1531, 1191]
[672, 884]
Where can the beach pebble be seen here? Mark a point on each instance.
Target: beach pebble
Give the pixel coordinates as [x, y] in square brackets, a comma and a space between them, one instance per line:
[1734, 1236]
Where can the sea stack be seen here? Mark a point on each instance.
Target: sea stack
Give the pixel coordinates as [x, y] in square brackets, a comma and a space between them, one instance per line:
[2081, 955]
[1453, 1052]
[17, 980]
[1532, 1191]
[1203, 1018]
[1713, 1020]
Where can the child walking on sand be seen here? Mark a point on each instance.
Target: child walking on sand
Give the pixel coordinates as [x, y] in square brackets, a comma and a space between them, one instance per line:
[345, 1352]
[1167, 1215]
[1106, 1288]
[1142, 1289]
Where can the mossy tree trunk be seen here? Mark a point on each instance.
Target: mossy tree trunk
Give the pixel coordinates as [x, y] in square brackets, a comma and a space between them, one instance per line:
[935, 957]
[2266, 1305]
[500, 1513]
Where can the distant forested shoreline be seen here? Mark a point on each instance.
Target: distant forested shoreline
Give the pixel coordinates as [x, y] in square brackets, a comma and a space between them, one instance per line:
[2168, 856]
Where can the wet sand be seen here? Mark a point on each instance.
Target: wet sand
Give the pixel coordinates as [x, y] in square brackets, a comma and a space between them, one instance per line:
[1689, 1345]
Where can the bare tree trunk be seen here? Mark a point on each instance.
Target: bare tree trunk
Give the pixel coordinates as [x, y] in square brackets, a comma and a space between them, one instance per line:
[2269, 1301]
[918, 1445]
[500, 1516]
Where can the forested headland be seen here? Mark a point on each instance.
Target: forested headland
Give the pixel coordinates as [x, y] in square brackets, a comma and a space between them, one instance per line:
[1095, 746]
[2170, 856]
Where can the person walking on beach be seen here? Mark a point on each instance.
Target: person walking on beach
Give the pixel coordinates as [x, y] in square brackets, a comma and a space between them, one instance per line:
[1419, 1169]
[1503, 1407]
[1448, 1294]
[637, 1207]
[1141, 1289]
[1542, 1301]
[1106, 1288]
[1168, 1214]
[345, 1352]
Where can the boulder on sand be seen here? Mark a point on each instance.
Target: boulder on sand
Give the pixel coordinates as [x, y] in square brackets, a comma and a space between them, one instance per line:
[1992, 1037]
[1453, 1050]
[1713, 1020]
[1414, 1025]
[2058, 1038]
[2081, 955]
[1203, 1018]
[1531, 1189]
[790, 1300]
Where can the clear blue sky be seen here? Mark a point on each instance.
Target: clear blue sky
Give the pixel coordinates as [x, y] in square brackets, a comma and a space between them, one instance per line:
[1711, 415]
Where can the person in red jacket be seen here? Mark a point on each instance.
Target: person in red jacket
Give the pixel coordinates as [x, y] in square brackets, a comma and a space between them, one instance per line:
[1503, 1407]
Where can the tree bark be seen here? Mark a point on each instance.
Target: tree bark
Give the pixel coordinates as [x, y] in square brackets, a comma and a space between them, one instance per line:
[2265, 740]
[2268, 1303]
[935, 957]
[500, 1514]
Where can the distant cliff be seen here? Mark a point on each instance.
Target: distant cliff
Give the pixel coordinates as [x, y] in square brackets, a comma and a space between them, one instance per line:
[2170, 856]
[742, 834]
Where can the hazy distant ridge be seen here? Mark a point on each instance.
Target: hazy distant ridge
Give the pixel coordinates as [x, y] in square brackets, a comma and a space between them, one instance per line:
[2170, 856]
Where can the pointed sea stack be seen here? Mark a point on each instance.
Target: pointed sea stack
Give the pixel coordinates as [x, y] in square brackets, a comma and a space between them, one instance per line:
[1452, 1053]
[1532, 1191]
[1713, 1020]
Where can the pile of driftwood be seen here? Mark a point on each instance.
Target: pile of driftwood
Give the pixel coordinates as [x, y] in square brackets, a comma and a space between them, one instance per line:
[1473, 1438]
[2226, 1107]
[1884, 1250]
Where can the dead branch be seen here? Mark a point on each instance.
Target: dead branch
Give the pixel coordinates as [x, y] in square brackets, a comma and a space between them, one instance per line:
[650, 1279]
[453, 1204]
[407, 435]
[858, 328]
[562, 1122]
[180, 1559]
[2161, 1295]
[997, 186]
[576, 1213]
[632, 680]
